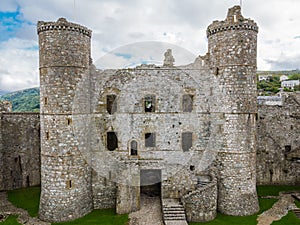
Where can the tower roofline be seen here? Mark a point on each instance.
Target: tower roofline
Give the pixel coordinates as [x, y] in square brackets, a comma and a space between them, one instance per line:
[62, 24]
[233, 21]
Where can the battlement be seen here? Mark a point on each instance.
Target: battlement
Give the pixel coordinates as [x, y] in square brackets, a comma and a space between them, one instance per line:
[62, 24]
[233, 21]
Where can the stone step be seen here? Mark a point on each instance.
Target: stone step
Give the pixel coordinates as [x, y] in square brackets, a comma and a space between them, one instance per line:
[297, 212]
[174, 208]
[175, 222]
[175, 218]
[174, 212]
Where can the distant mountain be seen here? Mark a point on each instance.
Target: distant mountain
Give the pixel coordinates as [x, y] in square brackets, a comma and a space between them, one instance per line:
[27, 100]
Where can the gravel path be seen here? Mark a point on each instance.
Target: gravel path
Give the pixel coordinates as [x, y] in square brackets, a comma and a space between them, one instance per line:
[150, 212]
[7, 208]
[278, 210]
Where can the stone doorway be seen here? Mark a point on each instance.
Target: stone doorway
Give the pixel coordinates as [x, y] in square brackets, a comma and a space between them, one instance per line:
[150, 182]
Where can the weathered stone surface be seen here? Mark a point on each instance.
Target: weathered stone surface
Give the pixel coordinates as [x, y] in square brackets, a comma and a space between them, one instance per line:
[20, 150]
[210, 105]
[66, 175]
[278, 142]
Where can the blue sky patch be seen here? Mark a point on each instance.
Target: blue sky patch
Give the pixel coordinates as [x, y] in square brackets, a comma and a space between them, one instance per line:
[10, 23]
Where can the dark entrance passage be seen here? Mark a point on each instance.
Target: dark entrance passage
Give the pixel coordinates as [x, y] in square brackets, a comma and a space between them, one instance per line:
[150, 182]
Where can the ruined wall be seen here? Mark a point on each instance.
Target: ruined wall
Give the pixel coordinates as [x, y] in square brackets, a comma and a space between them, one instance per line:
[278, 152]
[201, 205]
[5, 106]
[20, 152]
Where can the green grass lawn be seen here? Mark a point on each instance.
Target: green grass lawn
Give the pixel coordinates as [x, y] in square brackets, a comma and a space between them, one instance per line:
[221, 219]
[266, 190]
[99, 217]
[289, 219]
[28, 199]
[11, 220]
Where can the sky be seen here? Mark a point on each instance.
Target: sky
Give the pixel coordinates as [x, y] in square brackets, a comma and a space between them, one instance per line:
[118, 25]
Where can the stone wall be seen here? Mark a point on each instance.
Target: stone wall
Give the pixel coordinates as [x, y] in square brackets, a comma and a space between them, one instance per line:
[66, 192]
[20, 152]
[278, 152]
[201, 205]
[232, 46]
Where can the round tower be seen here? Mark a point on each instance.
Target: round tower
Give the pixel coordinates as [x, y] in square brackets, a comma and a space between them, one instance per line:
[64, 49]
[232, 46]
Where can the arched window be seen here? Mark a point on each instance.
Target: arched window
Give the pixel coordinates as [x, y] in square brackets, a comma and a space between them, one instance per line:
[111, 104]
[187, 103]
[149, 103]
[133, 148]
[186, 141]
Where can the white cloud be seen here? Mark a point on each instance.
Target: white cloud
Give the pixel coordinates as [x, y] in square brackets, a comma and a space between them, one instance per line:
[8, 5]
[20, 59]
[117, 23]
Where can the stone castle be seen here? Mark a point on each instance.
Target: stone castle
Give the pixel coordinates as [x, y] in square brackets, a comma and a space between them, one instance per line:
[187, 133]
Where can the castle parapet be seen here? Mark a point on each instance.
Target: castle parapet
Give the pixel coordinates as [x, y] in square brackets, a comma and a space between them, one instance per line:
[234, 21]
[62, 24]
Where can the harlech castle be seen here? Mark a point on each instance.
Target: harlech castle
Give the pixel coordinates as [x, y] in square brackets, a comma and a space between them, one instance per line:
[192, 134]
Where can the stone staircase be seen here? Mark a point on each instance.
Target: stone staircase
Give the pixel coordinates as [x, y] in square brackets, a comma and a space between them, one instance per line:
[297, 212]
[173, 212]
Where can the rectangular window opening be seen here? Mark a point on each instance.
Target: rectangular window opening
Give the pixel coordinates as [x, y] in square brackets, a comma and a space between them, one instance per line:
[47, 135]
[149, 103]
[45, 101]
[69, 121]
[112, 141]
[150, 140]
[187, 141]
[187, 103]
[69, 184]
[111, 104]
[287, 148]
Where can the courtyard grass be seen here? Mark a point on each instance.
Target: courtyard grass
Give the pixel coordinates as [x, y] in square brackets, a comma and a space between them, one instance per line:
[11, 220]
[221, 219]
[289, 219]
[28, 199]
[99, 217]
[273, 190]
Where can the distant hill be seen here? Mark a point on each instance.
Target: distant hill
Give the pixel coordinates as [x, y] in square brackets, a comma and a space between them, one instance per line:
[27, 100]
[3, 92]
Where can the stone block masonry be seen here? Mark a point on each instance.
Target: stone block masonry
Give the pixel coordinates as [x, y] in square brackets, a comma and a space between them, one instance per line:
[278, 151]
[20, 150]
[109, 136]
